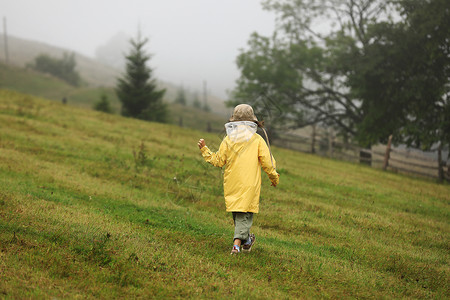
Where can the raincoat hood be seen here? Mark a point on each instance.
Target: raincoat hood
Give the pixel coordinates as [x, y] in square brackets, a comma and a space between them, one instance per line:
[240, 131]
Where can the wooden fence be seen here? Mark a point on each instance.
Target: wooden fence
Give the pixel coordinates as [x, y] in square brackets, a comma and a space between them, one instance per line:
[379, 156]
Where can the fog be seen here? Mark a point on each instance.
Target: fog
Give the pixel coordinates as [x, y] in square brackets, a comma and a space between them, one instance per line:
[191, 41]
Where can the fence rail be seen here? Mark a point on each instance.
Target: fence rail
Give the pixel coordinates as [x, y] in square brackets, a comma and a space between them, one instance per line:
[380, 156]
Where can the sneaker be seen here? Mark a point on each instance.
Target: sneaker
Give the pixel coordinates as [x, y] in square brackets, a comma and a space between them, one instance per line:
[236, 250]
[247, 247]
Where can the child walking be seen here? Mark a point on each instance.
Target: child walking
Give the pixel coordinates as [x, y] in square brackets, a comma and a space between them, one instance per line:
[243, 152]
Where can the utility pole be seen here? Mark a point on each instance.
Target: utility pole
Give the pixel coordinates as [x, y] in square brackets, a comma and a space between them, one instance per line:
[5, 34]
[205, 94]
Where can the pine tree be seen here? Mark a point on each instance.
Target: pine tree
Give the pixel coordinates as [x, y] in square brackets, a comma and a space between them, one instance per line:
[181, 97]
[103, 104]
[137, 89]
[206, 107]
[196, 103]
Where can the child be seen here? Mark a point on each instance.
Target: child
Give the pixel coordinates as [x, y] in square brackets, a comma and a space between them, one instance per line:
[243, 152]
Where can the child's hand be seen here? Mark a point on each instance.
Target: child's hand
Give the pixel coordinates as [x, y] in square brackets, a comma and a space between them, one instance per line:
[274, 184]
[201, 143]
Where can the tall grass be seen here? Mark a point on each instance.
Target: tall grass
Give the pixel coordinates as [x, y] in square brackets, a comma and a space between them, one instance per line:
[95, 205]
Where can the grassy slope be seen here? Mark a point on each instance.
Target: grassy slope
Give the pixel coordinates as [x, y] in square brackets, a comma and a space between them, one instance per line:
[35, 83]
[23, 52]
[42, 85]
[81, 216]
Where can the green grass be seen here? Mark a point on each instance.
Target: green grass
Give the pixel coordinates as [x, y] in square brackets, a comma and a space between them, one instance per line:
[97, 206]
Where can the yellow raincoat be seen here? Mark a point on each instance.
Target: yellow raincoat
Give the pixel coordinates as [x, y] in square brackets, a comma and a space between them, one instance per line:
[242, 176]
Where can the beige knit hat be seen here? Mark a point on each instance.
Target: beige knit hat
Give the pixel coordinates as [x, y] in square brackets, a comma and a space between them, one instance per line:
[243, 112]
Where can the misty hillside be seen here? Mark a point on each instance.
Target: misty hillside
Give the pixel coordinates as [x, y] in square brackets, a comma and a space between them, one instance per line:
[22, 52]
[93, 72]
[31, 82]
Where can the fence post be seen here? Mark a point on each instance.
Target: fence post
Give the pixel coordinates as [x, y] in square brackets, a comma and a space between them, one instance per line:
[448, 173]
[440, 164]
[365, 156]
[330, 142]
[387, 154]
[313, 137]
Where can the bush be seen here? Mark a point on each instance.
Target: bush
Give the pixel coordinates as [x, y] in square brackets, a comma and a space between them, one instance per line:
[103, 104]
[62, 68]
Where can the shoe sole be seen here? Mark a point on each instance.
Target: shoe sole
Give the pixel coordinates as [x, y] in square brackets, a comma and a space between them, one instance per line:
[249, 249]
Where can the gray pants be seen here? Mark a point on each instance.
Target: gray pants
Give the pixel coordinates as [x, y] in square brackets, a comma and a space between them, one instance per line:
[242, 223]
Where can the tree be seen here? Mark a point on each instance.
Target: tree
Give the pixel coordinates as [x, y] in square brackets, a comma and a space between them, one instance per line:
[196, 102]
[404, 84]
[181, 96]
[63, 68]
[206, 107]
[103, 104]
[137, 89]
[357, 76]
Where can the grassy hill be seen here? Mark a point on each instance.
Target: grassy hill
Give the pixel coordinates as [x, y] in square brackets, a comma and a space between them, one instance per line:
[23, 51]
[42, 85]
[94, 205]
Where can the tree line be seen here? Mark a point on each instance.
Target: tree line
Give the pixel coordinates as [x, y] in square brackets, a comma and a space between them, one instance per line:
[368, 68]
[181, 98]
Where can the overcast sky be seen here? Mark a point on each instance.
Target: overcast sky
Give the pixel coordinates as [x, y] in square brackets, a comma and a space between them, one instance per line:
[191, 40]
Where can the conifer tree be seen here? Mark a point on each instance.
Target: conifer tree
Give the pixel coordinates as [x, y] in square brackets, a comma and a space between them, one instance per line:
[196, 103]
[206, 107]
[181, 97]
[103, 104]
[137, 89]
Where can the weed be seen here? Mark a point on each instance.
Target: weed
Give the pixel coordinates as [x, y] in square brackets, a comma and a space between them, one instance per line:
[123, 274]
[2, 201]
[141, 158]
[14, 238]
[99, 253]
[133, 258]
